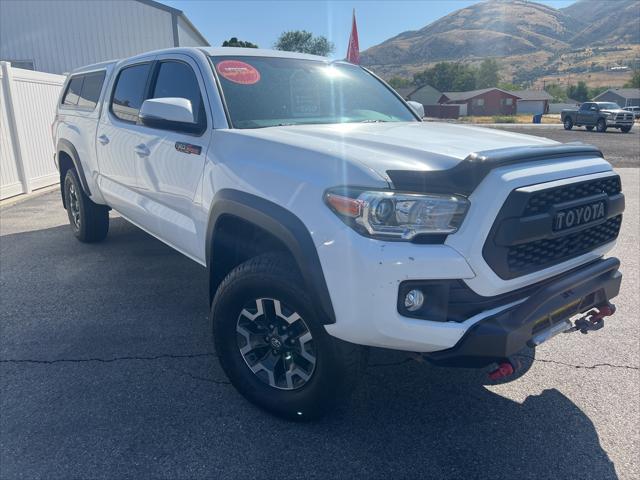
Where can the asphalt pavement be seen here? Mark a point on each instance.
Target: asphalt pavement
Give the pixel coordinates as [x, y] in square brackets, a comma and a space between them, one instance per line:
[621, 149]
[107, 370]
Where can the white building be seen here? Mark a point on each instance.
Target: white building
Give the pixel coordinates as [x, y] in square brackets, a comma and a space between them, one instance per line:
[533, 101]
[57, 36]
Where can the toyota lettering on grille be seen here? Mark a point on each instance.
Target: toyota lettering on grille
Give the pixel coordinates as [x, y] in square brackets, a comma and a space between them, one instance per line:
[578, 216]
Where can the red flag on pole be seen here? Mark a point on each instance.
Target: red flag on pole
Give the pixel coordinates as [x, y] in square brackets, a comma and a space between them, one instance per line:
[353, 52]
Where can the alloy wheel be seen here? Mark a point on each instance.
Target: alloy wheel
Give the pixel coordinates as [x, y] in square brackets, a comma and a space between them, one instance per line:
[276, 343]
[74, 206]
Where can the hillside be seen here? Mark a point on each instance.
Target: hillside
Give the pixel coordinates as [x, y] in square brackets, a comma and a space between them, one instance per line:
[605, 22]
[528, 38]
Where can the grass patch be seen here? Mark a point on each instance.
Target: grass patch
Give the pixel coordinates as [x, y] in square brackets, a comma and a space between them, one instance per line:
[504, 119]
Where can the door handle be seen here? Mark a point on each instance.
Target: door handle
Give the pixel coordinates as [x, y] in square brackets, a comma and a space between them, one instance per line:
[142, 150]
[103, 139]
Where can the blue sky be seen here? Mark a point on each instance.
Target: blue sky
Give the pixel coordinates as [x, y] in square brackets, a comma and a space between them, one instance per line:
[262, 22]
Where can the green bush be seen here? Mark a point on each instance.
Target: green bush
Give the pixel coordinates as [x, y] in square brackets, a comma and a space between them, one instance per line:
[504, 119]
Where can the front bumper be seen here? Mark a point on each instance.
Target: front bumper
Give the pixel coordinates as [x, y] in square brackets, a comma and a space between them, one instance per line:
[617, 123]
[508, 332]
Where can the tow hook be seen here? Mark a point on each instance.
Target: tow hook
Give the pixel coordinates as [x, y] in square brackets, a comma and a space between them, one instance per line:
[594, 319]
[505, 369]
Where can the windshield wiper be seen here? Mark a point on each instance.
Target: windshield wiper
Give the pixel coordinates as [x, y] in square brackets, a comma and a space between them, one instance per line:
[373, 121]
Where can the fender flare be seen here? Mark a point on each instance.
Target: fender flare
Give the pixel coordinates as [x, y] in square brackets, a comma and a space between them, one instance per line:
[284, 226]
[67, 147]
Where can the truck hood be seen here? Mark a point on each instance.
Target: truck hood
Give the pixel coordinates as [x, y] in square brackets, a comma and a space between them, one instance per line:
[424, 146]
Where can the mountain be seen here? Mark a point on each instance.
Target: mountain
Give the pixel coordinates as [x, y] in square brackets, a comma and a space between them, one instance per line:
[528, 36]
[605, 22]
[493, 28]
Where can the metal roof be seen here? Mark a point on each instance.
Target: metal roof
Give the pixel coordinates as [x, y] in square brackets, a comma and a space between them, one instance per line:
[458, 96]
[627, 93]
[532, 94]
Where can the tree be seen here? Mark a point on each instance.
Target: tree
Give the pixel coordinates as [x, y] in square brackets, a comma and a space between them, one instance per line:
[304, 42]
[399, 82]
[447, 77]
[635, 80]
[595, 91]
[578, 92]
[558, 92]
[464, 78]
[234, 42]
[508, 86]
[487, 75]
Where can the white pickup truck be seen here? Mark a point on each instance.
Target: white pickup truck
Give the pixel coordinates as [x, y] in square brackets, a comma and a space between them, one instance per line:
[331, 218]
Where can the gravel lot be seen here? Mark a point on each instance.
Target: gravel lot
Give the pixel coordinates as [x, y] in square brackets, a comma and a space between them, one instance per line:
[107, 371]
[621, 149]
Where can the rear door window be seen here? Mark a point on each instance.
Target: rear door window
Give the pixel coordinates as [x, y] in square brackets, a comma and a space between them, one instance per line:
[91, 88]
[129, 92]
[74, 89]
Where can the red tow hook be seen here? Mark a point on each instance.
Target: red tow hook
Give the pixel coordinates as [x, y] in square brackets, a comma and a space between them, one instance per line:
[505, 369]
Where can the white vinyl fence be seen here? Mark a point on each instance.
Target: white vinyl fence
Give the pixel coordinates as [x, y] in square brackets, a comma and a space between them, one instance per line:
[27, 108]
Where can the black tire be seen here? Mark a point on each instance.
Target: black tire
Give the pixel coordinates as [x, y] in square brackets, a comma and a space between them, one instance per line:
[568, 123]
[589, 127]
[338, 365]
[625, 129]
[601, 125]
[89, 221]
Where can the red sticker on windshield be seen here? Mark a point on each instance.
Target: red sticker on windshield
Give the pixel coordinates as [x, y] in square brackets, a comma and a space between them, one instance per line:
[238, 72]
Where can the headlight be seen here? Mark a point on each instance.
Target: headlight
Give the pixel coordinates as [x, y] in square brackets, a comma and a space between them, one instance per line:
[392, 215]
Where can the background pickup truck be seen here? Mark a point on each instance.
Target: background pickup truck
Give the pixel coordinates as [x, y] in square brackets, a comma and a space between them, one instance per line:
[600, 115]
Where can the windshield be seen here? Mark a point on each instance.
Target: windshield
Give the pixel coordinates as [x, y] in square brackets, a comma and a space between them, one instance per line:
[267, 91]
[608, 106]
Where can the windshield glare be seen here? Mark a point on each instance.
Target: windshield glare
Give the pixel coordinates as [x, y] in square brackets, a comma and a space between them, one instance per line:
[265, 92]
[608, 106]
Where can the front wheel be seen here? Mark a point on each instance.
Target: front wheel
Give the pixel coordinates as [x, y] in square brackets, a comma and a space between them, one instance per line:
[625, 129]
[272, 347]
[601, 126]
[589, 127]
[568, 123]
[89, 221]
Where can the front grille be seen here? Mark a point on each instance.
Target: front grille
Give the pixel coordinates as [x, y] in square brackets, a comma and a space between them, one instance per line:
[522, 239]
[540, 253]
[542, 200]
[624, 116]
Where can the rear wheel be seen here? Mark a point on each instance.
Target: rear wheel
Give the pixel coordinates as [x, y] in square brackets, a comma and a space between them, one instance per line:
[601, 126]
[272, 347]
[568, 123]
[89, 221]
[589, 127]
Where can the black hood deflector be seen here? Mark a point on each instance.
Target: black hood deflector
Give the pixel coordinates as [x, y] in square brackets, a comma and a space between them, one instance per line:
[468, 173]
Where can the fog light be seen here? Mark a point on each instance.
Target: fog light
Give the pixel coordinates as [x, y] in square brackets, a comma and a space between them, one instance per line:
[413, 300]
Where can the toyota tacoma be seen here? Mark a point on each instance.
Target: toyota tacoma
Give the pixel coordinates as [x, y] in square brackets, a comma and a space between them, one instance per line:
[331, 218]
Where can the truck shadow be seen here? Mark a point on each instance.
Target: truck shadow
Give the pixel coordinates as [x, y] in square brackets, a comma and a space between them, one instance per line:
[135, 296]
[446, 423]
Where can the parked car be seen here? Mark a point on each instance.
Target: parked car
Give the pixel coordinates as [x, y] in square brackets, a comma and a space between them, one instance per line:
[330, 218]
[634, 110]
[601, 115]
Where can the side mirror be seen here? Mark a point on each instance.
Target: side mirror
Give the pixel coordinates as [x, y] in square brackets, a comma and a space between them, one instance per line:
[417, 107]
[170, 113]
